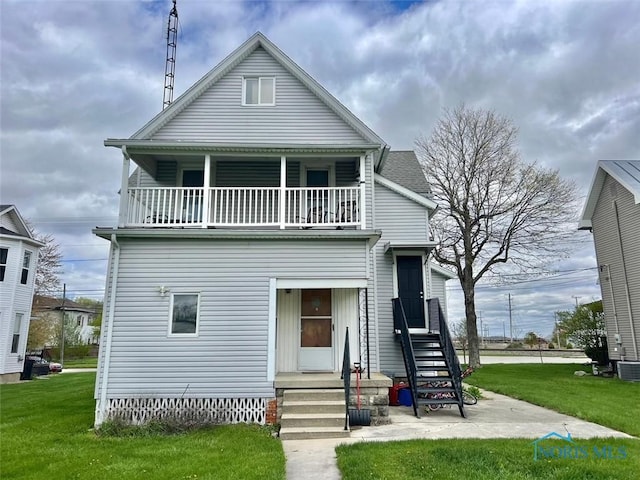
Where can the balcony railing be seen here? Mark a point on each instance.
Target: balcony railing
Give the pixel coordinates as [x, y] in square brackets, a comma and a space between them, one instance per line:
[244, 207]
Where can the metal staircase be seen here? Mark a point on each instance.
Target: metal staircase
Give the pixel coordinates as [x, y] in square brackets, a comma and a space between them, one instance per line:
[431, 363]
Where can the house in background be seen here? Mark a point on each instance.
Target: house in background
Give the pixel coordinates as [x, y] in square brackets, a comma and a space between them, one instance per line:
[263, 222]
[77, 315]
[18, 262]
[612, 213]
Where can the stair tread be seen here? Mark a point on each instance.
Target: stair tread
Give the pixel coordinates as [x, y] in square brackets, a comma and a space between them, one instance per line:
[314, 390]
[301, 416]
[312, 429]
[286, 403]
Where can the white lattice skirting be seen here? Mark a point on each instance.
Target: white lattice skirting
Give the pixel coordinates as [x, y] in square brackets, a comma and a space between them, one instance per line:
[138, 411]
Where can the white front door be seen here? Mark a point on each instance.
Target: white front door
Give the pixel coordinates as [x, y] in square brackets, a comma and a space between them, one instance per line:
[316, 331]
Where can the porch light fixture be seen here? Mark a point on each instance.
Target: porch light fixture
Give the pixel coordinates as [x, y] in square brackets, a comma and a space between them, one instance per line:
[163, 290]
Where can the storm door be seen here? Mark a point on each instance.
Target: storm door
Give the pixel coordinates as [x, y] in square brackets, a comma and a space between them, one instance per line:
[316, 331]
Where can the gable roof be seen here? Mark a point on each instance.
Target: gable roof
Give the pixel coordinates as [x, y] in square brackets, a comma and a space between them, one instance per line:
[23, 232]
[403, 168]
[625, 172]
[255, 41]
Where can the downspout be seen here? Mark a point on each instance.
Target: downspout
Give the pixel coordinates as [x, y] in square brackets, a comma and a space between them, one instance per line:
[626, 282]
[615, 311]
[102, 404]
[376, 333]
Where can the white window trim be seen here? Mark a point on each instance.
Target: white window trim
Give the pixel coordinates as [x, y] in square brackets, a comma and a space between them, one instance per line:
[6, 264]
[259, 104]
[29, 267]
[306, 165]
[184, 335]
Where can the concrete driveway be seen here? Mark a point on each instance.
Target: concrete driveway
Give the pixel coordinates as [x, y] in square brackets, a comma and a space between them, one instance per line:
[495, 416]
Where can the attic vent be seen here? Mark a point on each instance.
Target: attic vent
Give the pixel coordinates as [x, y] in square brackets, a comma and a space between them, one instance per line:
[613, 190]
[629, 371]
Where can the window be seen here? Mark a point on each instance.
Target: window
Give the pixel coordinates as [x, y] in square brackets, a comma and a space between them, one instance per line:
[15, 340]
[259, 91]
[79, 320]
[184, 314]
[26, 263]
[4, 252]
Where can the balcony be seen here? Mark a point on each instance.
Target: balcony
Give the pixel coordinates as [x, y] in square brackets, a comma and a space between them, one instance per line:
[237, 207]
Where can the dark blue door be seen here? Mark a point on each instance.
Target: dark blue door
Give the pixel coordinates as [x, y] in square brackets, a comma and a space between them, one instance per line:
[410, 289]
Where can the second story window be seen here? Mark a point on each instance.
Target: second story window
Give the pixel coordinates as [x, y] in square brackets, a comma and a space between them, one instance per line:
[259, 91]
[26, 264]
[4, 252]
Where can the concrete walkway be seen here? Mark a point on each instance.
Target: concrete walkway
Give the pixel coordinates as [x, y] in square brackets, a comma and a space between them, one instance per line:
[495, 416]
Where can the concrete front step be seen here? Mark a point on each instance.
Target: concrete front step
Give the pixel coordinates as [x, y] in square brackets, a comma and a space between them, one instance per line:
[303, 420]
[320, 394]
[308, 433]
[314, 406]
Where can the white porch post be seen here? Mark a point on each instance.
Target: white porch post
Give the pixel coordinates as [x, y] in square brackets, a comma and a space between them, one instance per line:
[206, 186]
[271, 331]
[283, 186]
[363, 184]
[124, 188]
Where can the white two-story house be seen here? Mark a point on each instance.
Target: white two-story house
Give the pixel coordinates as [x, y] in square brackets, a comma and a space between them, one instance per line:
[18, 262]
[259, 218]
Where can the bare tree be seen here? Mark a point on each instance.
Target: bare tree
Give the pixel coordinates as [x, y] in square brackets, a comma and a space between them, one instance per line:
[494, 208]
[49, 268]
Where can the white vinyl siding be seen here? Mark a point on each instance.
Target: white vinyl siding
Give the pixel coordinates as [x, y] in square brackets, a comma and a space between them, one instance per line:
[298, 116]
[401, 221]
[612, 278]
[229, 356]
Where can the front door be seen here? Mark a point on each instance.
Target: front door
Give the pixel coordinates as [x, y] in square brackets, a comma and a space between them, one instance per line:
[410, 289]
[316, 331]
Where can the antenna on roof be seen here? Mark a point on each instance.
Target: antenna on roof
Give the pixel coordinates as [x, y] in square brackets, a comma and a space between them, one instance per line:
[170, 66]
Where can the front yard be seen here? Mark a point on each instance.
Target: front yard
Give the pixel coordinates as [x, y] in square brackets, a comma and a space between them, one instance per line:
[609, 402]
[45, 427]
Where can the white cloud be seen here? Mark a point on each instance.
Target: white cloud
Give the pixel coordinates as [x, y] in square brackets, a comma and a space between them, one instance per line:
[75, 73]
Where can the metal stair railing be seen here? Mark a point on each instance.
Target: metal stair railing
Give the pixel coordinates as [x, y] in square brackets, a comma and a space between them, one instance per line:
[400, 322]
[448, 349]
[346, 377]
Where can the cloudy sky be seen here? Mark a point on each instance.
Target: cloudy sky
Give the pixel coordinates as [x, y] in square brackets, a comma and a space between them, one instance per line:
[76, 72]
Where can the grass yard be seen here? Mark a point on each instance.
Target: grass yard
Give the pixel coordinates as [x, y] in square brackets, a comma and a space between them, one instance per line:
[607, 401]
[45, 427]
[482, 460]
[87, 362]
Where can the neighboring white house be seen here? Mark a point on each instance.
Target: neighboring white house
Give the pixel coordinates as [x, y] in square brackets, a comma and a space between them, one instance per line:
[77, 315]
[18, 262]
[262, 220]
[612, 213]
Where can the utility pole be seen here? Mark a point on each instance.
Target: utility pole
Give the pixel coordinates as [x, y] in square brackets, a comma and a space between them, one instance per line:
[510, 320]
[481, 329]
[555, 319]
[576, 297]
[504, 332]
[64, 298]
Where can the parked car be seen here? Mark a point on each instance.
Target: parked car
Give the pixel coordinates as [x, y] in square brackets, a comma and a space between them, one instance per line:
[55, 367]
[40, 365]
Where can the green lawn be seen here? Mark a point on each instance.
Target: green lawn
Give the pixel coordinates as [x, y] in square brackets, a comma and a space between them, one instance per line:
[503, 459]
[607, 401]
[45, 431]
[87, 362]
